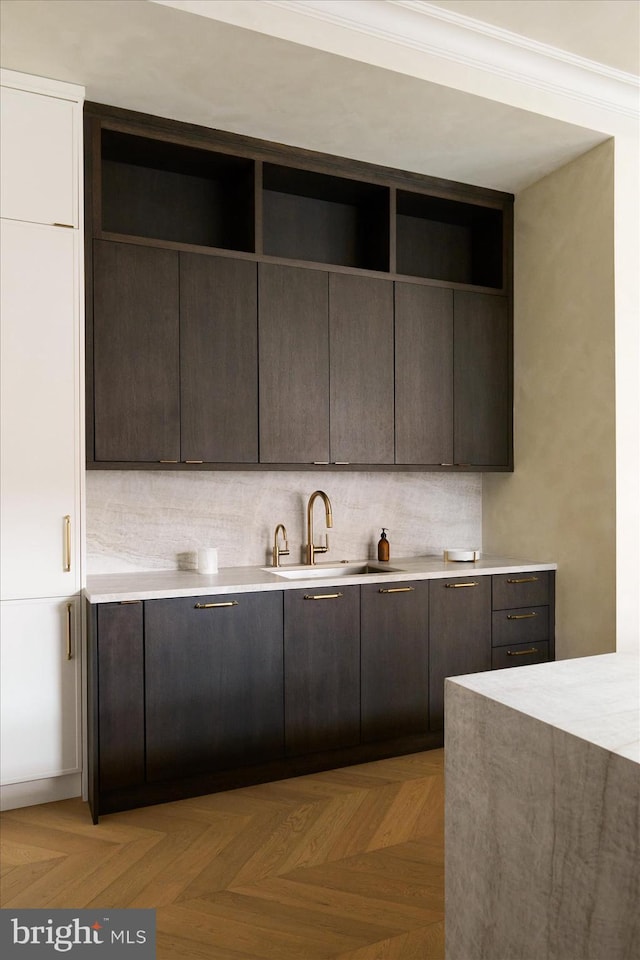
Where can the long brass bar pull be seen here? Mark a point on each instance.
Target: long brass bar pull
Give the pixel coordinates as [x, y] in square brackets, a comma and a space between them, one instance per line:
[396, 590]
[522, 579]
[322, 596]
[521, 616]
[521, 653]
[69, 629]
[210, 606]
[455, 586]
[67, 544]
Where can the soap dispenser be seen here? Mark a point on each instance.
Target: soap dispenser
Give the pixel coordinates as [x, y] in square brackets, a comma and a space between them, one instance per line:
[383, 546]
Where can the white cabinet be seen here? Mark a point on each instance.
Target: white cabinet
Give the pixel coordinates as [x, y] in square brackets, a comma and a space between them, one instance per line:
[38, 157]
[39, 689]
[40, 506]
[41, 479]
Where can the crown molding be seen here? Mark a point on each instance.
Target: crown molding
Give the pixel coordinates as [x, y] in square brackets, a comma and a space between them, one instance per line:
[472, 43]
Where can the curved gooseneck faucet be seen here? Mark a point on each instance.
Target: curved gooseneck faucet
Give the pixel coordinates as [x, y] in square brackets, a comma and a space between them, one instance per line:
[310, 547]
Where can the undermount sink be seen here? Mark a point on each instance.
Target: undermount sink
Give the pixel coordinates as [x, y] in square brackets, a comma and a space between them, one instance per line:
[330, 571]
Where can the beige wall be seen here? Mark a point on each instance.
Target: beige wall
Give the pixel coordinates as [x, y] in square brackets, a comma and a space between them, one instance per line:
[560, 502]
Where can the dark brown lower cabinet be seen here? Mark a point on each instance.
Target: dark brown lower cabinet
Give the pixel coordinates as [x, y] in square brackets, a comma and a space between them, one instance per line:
[119, 666]
[197, 694]
[394, 660]
[459, 635]
[213, 683]
[321, 669]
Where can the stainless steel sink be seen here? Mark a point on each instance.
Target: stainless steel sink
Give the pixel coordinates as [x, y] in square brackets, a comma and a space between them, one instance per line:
[330, 571]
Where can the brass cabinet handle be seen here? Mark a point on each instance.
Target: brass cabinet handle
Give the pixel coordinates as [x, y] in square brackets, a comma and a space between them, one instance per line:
[523, 580]
[167, 461]
[521, 616]
[67, 544]
[322, 596]
[69, 628]
[124, 602]
[210, 606]
[69, 226]
[396, 590]
[521, 653]
[471, 583]
[192, 461]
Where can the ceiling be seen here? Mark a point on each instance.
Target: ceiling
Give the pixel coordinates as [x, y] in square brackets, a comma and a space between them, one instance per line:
[170, 62]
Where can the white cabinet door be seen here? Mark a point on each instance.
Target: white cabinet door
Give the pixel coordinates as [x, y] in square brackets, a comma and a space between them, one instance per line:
[38, 158]
[40, 689]
[40, 420]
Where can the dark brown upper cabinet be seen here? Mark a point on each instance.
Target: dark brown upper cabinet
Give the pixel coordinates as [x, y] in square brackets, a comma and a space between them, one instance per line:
[361, 369]
[175, 356]
[266, 306]
[453, 378]
[136, 346]
[424, 374]
[218, 359]
[294, 364]
[482, 375]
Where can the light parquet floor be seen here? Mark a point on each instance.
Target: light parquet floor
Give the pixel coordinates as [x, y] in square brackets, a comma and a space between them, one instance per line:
[346, 864]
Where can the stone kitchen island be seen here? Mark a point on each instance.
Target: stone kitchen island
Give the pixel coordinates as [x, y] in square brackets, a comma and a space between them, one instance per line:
[542, 812]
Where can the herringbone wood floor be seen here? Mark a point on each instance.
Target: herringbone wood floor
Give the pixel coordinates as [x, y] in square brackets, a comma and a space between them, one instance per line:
[345, 864]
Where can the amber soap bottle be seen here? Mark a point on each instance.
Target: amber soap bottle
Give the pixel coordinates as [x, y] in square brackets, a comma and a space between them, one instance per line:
[383, 546]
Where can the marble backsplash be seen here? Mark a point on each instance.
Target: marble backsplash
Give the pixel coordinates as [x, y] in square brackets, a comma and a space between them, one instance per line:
[139, 520]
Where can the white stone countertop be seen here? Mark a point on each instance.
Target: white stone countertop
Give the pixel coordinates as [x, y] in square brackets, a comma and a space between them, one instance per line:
[594, 698]
[158, 584]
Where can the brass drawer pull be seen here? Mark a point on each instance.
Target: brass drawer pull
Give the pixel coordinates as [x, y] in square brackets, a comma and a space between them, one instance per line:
[67, 544]
[471, 583]
[210, 606]
[521, 653]
[322, 596]
[396, 590]
[523, 580]
[521, 616]
[194, 461]
[167, 461]
[69, 629]
[124, 602]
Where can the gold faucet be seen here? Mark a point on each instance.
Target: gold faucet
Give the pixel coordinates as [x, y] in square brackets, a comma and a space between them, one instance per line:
[280, 551]
[310, 547]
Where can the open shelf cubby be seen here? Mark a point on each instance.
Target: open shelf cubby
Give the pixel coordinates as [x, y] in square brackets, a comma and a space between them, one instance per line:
[325, 219]
[168, 191]
[448, 240]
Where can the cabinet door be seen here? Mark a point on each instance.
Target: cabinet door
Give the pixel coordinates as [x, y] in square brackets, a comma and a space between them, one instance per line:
[40, 689]
[218, 359]
[459, 635]
[394, 660]
[293, 364]
[40, 426]
[118, 694]
[321, 669]
[213, 687]
[361, 369]
[38, 158]
[482, 380]
[424, 374]
[136, 353]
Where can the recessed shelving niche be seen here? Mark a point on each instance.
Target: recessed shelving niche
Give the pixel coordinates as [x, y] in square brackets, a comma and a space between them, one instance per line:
[441, 239]
[177, 193]
[325, 219]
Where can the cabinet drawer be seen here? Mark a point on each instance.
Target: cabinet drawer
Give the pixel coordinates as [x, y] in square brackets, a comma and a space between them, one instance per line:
[522, 625]
[519, 655]
[520, 589]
